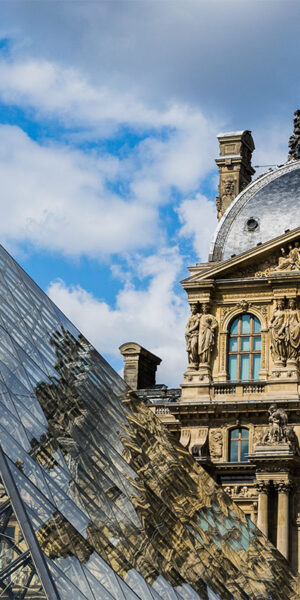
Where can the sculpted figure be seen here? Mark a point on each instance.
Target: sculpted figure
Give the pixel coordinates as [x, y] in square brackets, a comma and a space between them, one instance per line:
[277, 329]
[207, 328]
[290, 261]
[191, 336]
[277, 430]
[292, 330]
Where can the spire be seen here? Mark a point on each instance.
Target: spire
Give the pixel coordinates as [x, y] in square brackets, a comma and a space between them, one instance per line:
[294, 141]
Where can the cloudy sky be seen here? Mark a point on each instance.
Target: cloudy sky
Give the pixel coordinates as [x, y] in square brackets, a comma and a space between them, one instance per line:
[109, 115]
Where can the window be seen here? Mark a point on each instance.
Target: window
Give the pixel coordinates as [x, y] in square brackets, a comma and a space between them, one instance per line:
[238, 444]
[244, 348]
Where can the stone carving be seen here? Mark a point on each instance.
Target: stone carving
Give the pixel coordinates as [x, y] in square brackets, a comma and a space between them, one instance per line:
[263, 487]
[288, 261]
[207, 327]
[292, 330]
[259, 433]
[242, 491]
[283, 487]
[243, 305]
[215, 444]
[277, 329]
[285, 332]
[191, 336]
[278, 430]
[294, 141]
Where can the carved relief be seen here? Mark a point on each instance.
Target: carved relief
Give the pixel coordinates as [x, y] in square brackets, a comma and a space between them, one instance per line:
[259, 433]
[243, 305]
[242, 491]
[215, 444]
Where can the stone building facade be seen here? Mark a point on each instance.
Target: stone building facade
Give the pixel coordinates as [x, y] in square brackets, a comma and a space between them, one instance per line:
[238, 412]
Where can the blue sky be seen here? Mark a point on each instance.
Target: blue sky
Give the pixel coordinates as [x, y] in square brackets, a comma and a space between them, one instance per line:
[109, 116]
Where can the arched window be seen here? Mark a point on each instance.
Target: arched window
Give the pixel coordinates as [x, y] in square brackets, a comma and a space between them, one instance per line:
[238, 444]
[244, 348]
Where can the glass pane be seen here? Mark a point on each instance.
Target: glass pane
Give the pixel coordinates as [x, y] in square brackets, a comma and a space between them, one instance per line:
[245, 344]
[257, 343]
[233, 367]
[256, 366]
[244, 451]
[245, 362]
[234, 433]
[233, 451]
[234, 326]
[246, 324]
[257, 325]
[245, 433]
[233, 344]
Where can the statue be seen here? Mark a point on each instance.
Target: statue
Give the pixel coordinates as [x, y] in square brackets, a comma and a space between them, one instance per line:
[294, 141]
[191, 336]
[277, 328]
[292, 330]
[206, 342]
[289, 261]
[279, 432]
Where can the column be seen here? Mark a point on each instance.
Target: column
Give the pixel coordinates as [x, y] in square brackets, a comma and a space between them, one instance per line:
[262, 516]
[283, 518]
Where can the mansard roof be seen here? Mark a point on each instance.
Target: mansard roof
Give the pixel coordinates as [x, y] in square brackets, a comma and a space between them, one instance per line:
[264, 209]
[109, 505]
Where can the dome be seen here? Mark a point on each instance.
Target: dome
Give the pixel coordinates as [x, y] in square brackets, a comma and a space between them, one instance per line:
[265, 209]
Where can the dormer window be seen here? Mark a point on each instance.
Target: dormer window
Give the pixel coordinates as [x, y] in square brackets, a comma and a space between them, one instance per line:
[244, 356]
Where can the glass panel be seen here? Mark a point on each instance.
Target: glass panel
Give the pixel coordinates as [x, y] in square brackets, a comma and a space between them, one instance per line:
[234, 326]
[234, 451]
[245, 362]
[257, 326]
[234, 433]
[245, 323]
[244, 433]
[233, 367]
[245, 344]
[256, 365]
[257, 343]
[233, 344]
[244, 451]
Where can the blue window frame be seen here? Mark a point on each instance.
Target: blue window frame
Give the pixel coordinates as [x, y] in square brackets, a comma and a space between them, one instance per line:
[238, 444]
[244, 349]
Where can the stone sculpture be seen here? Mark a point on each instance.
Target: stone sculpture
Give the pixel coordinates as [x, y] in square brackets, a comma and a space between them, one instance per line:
[294, 141]
[207, 327]
[292, 328]
[277, 329]
[191, 336]
[279, 432]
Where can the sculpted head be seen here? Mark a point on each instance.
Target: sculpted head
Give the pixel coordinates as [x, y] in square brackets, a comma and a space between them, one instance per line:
[280, 304]
[194, 309]
[205, 308]
[292, 303]
[228, 186]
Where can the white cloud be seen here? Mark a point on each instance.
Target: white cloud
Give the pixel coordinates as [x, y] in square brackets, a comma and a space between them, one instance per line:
[155, 317]
[199, 220]
[58, 198]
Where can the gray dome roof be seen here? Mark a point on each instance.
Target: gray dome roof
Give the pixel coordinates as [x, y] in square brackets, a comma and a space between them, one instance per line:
[265, 209]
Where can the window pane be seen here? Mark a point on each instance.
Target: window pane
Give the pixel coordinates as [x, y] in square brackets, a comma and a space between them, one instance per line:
[245, 433]
[245, 344]
[257, 343]
[256, 366]
[246, 324]
[233, 344]
[234, 433]
[245, 362]
[234, 326]
[234, 452]
[244, 451]
[256, 325]
[233, 367]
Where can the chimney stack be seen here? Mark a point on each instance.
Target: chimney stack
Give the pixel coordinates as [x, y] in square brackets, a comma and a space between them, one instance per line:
[139, 366]
[234, 164]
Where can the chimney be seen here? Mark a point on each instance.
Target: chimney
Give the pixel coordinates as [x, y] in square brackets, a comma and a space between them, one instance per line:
[234, 164]
[139, 366]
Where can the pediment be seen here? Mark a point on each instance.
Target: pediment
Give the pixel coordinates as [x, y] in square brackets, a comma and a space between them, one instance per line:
[277, 258]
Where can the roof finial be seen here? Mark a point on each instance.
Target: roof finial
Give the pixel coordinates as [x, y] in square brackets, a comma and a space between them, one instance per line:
[294, 141]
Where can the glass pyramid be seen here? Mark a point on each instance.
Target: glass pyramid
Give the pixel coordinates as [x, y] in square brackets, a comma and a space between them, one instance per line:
[97, 501]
